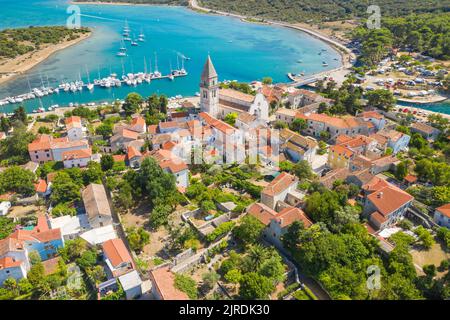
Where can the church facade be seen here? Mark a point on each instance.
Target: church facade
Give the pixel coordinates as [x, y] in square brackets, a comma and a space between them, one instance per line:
[219, 102]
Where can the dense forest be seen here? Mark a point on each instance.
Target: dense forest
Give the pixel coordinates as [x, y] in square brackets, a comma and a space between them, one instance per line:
[324, 10]
[425, 33]
[15, 42]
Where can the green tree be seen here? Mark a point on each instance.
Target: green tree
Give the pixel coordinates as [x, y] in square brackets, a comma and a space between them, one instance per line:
[302, 169]
[249, 231]
[105, 130]
[65, 189]
[187, 285]
[107, 162]
[401, 171]
[255, 286]
[267, 80]
[17, 179]
[133, 103]
[233, 276]
[230, 118]
[381, 99]
[138, 238]
[298, 125]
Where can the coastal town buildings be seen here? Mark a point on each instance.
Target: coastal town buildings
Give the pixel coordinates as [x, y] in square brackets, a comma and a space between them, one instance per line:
[96, 205]
[74, 127]
[426, 131]
[384, 203]
[278, 189]
[442, 215]
[219, 102]
[47, 148]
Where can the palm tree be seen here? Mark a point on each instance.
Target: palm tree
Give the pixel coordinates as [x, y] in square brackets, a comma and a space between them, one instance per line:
[256, 255]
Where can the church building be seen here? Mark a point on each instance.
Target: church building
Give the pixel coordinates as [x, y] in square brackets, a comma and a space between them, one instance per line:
[219, 102]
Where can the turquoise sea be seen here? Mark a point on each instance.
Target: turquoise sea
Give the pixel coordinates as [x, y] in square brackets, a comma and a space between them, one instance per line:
[240, 51]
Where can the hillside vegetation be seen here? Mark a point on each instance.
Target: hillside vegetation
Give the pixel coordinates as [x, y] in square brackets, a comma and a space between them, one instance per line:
[425, 33]
[323, 10]
[15, 42]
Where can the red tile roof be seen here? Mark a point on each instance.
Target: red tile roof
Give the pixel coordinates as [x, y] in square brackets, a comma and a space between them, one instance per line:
[138, 121]
[371, 114]
[218, 124]
[262, 212]
[132, 152]
[130, 134]
[152, 128]
[234, 94]
[8, 262]
[40, 186]
[77, 154]
[119, 157]
[164, 281]
[378, 217]
[289, 215]
[410, 178]
[389, 198]
[445, 210]
[73, 122]
[116, 252]
[340, 150]
[283, 181]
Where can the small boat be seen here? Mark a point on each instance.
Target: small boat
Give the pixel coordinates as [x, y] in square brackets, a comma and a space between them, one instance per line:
[299, 61]
[324, 64]
[121, 54]
[126, 39]
[134, 43]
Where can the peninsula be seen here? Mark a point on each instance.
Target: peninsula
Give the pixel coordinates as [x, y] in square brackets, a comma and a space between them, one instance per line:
[23, 48]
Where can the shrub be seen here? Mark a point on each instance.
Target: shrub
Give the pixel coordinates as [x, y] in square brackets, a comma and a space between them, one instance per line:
[221, 230]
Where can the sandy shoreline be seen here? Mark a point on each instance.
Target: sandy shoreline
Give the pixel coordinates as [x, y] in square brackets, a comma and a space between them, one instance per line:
[14, 67]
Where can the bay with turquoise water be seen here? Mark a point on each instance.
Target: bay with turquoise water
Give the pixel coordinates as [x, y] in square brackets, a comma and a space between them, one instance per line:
[240, 51]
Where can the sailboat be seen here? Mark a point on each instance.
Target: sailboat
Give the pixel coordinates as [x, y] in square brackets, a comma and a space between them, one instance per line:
[90, 86]
[146, 75]
[156, 74]
[133, 42]
[122, 50]
[126, 28]
[141, 37]
[171, 77]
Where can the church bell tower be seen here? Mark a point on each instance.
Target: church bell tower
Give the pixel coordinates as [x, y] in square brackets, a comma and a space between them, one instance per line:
[209, 89]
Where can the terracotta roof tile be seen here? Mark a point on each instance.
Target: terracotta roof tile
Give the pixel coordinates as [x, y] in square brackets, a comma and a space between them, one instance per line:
[279, 184]
[445, 210]
[262, 212]
[291, 214]
[9, 262]
[164, 281]
[116, 252]
[77, 154]
[40, 186]
[234, 94]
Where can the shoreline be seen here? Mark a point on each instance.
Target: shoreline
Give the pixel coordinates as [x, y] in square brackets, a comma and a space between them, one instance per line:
[24, 63]
[192, 5]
